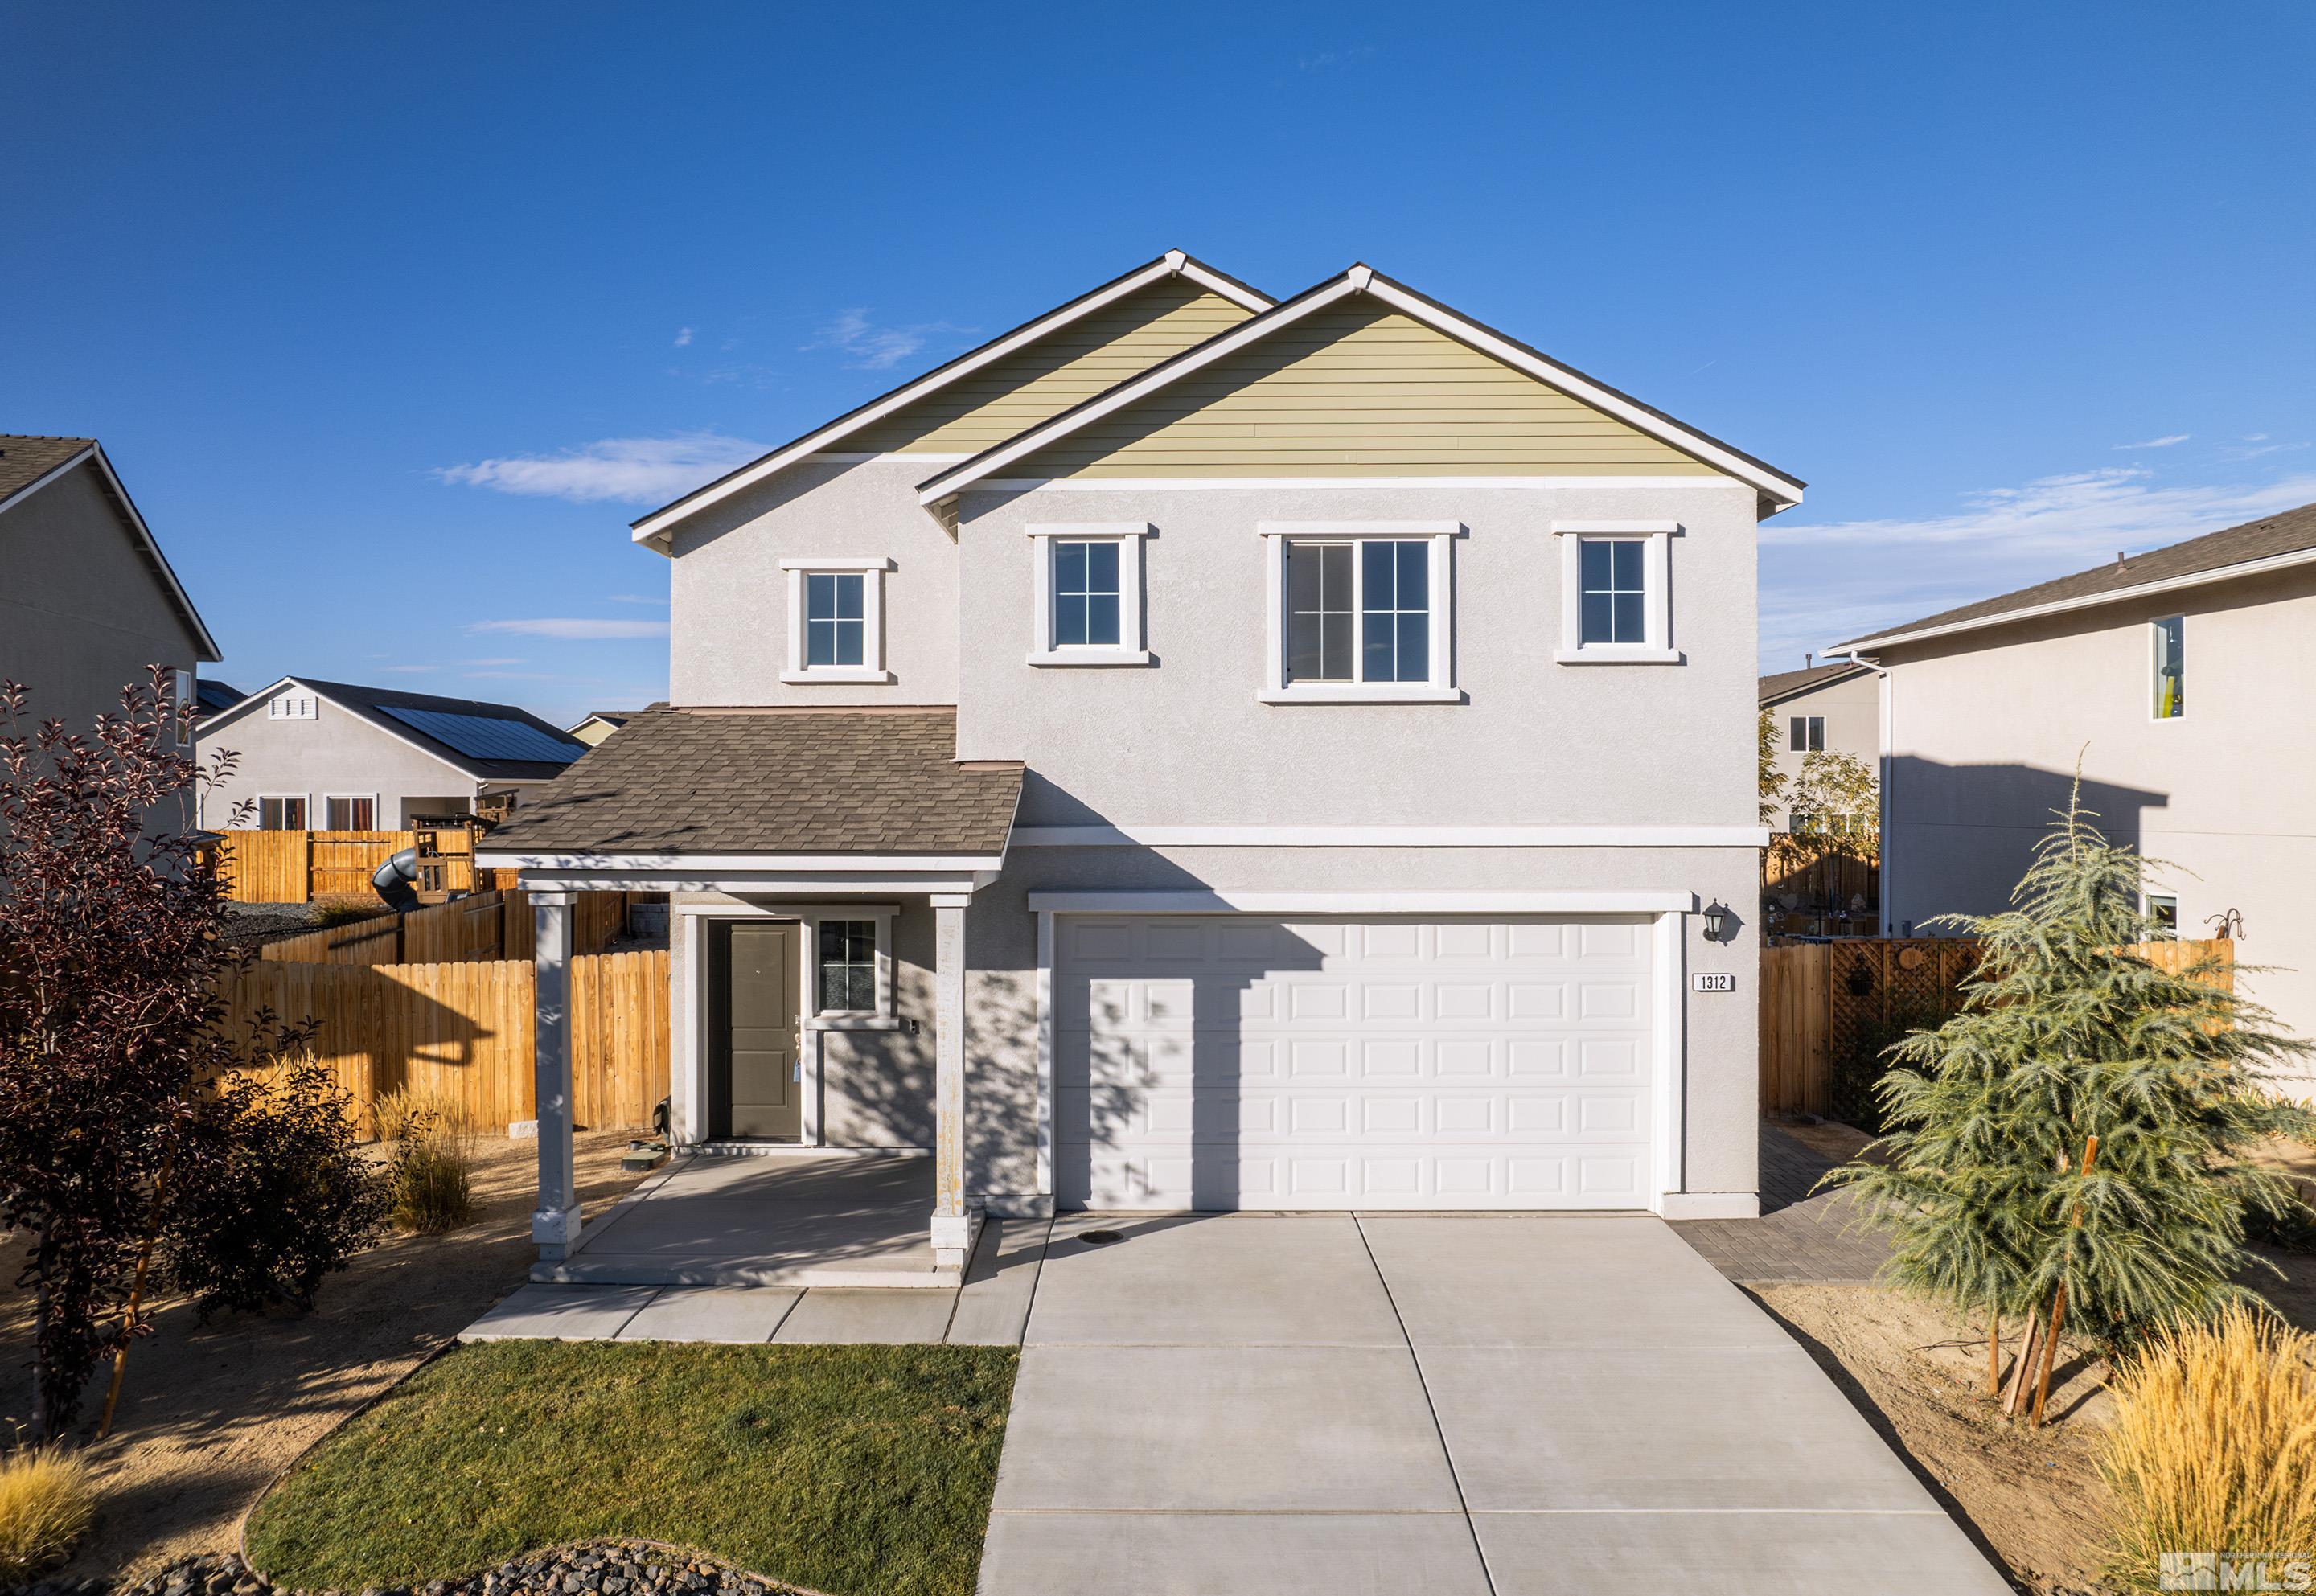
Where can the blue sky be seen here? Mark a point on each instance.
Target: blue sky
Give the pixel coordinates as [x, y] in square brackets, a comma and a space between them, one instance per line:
[392, 317]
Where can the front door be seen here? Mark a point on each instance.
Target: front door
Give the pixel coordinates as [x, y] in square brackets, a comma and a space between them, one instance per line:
[754, 1075]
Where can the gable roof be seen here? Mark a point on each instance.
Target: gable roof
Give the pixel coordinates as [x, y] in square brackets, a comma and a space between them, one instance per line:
[2272, 542]
[655, 527]
[419, 725]
[729, 783]
[29, 462]
[1785, 685]
[614, 719]
[1777, 488]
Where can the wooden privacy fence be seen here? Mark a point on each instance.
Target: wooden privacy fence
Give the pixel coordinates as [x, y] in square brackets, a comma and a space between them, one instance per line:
[1829, 1009]
[484, 925]
[463, 1031]
[1808, 888]
[297, 867]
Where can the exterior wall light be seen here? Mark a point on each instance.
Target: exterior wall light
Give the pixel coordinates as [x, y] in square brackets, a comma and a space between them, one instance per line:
[1716, 922]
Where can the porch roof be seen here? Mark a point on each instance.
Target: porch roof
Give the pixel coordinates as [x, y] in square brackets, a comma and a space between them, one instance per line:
[730, 782]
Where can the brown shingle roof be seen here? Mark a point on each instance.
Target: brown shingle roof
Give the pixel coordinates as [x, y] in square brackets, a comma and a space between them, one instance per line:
[737, 782]
[1784, 682]
[2284, 533]
[25, 458]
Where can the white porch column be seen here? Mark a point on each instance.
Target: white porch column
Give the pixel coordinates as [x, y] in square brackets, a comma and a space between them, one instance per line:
[952, 1235]
[555, 1223]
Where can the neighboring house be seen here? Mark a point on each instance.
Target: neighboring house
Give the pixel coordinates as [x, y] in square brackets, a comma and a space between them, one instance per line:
[316, 755]
[88, 604]
[2179, 680]
[1200, 752]
[1833, 707]
[600, 724]
[212, 697]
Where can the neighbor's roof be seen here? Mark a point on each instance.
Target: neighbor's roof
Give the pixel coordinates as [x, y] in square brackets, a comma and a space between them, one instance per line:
[655, 527]
[490, 742]
[213, 695]
[614, 719]
[1781, 489]
[730, 782]
[1784, 684]
[2286, 539]
[29, 462]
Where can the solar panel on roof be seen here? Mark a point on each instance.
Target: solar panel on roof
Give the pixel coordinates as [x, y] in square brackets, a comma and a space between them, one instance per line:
[487, 736]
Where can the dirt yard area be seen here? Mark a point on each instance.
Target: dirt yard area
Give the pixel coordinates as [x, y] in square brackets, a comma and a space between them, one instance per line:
[211, 1414]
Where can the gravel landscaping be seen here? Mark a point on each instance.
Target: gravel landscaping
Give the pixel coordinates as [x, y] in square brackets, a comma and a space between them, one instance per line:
[593, 1568]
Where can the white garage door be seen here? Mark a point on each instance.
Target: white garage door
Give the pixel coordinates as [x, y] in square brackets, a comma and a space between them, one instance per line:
[1241, 1061]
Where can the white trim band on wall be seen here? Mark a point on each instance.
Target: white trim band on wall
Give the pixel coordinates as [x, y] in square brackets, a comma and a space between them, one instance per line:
[1227, 901]
[1391, 837]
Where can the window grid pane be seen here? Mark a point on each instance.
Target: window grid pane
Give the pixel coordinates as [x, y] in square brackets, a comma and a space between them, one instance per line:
[848, 965]
[1613, 588]
[1319, 579]
[836, 628]
[1088, 605]
[1394, 611]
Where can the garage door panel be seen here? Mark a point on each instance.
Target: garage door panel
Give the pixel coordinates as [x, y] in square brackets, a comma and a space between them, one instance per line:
[1218, 1062]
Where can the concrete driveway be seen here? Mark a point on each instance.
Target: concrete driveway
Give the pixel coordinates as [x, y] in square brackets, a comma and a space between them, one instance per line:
[1460, 1405]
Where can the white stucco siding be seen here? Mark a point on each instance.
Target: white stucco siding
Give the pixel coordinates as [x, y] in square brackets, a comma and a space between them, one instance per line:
[1986, 730]
[1184, 740]
[338, 753]
[730, 595]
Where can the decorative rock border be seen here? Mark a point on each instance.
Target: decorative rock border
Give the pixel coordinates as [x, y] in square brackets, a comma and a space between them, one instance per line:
[588, 1568]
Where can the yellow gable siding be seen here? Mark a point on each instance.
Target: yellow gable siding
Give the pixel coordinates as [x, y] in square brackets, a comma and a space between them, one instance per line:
[1354, 391]
[1072, 363]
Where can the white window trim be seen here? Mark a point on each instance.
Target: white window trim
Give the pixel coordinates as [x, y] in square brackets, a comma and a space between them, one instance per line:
[2147, 902]
[2155, 662]
[184, 705]
[1805, 723]
[1133, 646]
[1656, 566]
[871, 668]
[330, 798]
[305, 798]
[1438, 689]
[814, 1017]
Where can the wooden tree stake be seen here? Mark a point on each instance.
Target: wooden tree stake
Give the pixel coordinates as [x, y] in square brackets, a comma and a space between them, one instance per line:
[2059, 1301]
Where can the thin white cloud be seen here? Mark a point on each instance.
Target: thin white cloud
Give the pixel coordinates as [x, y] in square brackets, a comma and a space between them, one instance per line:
[868, 347]
[2253, 454]
[629, 471]
[453, 664]
[682, 336]
[639, 598]
[573, 628]
[2166, 442]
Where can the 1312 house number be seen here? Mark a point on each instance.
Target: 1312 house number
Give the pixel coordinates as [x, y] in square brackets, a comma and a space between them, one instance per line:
[1718, 981]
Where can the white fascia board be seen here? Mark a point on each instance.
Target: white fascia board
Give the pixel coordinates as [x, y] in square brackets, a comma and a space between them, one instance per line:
[1391, 837]
[755, 884]
[1224, 901]
[1782, 488]
[232, 712]
[209, 727]
[655, 527]
[2251, 567]
[989, 461]
[783, 863]
[1150, 485]
[95, 453]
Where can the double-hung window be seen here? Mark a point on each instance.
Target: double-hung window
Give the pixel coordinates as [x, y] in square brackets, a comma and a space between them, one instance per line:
[836, 619]
[1086, 591]
[2167, 641]
[1360, 611]
[1615, 580]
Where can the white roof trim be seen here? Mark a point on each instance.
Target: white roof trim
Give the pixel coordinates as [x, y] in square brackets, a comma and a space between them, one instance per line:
[1782, 489]
[144, 535]
[208, 729]
[1227, 901]
[655, 527]
[2250, 567]
[767, 863]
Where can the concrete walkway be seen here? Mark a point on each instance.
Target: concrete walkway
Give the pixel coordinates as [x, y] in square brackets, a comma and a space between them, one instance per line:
[1805, 1236]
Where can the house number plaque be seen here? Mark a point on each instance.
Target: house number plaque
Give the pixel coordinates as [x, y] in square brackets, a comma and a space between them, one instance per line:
[1714, 981]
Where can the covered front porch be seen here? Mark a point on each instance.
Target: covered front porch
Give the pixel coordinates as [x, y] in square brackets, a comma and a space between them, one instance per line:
[783, 910]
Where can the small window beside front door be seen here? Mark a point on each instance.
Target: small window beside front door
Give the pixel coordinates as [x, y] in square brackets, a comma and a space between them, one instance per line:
[847, 966]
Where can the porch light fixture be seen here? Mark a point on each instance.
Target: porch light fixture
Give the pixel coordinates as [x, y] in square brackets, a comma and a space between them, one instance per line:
[1716, 922]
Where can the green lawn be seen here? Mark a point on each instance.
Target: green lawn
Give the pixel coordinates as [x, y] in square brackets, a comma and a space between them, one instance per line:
[859, 1471]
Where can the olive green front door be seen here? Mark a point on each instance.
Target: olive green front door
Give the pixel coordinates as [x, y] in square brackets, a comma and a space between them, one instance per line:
[755, 1084]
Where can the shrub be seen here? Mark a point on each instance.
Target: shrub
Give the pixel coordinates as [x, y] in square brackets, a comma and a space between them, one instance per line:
[270, 1194]
[433, 1190]
[345, 912]
[399, 1113]
[46, 1500]
[2213, 1444]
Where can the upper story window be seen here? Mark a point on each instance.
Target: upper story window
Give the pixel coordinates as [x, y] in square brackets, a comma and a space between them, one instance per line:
[1806, 733]
[292, 705]
[1616, 585]
[1360, 611]
[1086, 593]
[2167, 640]
[836, 619]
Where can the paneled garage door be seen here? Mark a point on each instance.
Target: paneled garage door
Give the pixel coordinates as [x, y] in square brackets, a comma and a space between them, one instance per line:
[1242, 1061]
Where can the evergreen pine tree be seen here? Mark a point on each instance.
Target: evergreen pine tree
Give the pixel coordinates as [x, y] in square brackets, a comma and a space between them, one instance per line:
[2068, 1035]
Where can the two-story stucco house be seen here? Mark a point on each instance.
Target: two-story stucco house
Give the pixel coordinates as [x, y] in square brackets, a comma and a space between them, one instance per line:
[1200, 752]
[88, 603]
[2178, 679]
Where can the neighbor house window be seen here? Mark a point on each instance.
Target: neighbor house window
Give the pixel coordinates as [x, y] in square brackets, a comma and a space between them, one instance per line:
[2162, 915]
[1808, 733]
[1360, 611]
[2168, 641]
[836, 619]
[290, 706]
[847, 966]
[1615, 582]
[350, 814]
[281, 814]
[1086, 593]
